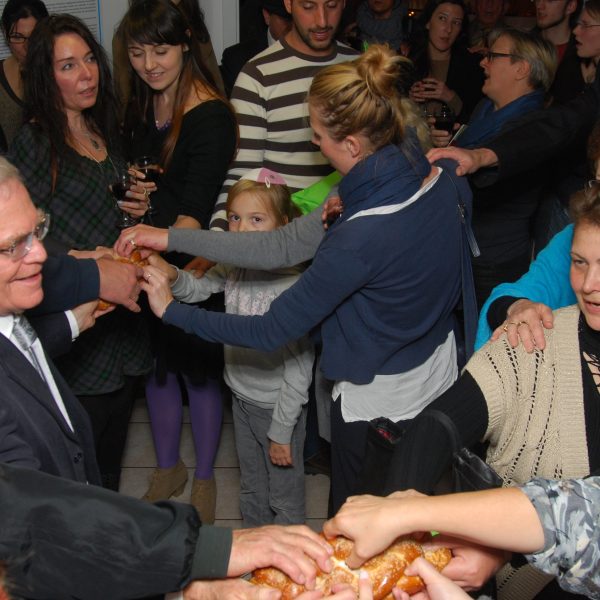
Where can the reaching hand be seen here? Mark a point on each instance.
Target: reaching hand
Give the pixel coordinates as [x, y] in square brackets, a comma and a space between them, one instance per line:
[156, 285]
[119, 283]
[468, 161]
[372, 522]
[525, 323]
[86, 314]
[437, 586]
[143, 237]
[293, 549]
[332, 209]
[472, 565]
[160, 263]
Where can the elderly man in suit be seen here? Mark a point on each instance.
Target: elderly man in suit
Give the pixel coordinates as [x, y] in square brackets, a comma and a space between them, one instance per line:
[36, 405]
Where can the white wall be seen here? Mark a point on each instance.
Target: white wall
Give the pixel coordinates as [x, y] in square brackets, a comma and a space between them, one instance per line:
[222, 18]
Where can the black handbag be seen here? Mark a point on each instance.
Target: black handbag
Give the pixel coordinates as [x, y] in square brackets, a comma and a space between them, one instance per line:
[382, 437]
[468, 472]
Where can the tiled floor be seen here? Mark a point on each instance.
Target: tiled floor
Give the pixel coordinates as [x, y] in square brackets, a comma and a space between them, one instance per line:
[139, 461]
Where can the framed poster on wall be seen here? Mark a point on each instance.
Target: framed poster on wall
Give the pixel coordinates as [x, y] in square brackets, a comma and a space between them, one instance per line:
[87, 10]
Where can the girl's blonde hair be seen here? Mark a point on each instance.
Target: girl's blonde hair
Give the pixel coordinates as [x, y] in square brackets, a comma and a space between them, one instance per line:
[362, 97]
[276, 197]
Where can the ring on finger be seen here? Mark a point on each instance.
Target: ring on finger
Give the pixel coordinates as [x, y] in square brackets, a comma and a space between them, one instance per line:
[521, 323]
[147, 276]
[132, 242]
[505, 327]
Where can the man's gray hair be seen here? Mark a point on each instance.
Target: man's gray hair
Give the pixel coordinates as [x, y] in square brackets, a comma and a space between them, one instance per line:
[8, 171]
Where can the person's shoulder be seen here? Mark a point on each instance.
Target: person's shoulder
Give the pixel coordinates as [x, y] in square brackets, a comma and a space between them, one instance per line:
[30, 140]
[566, 316]
[207, 108]
[244, 51]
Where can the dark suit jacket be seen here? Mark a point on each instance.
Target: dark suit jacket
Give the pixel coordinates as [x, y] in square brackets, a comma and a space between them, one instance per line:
[67, 282]
[33, 432]
[236, 56]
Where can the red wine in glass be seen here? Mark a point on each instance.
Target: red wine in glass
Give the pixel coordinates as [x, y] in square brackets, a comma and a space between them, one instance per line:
[148, 165]
[445, 123]
[119, 189]
[121, 184]
[444, 119]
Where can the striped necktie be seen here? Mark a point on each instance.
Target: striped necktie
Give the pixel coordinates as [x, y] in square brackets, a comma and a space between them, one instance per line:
[25, 336]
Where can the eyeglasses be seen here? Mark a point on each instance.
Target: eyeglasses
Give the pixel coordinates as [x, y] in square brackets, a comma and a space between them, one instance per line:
[585, 25]
[492, 55]
[21, 247]
[17, 38]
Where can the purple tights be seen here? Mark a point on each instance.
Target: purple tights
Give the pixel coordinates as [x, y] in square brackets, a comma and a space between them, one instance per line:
[165, 406]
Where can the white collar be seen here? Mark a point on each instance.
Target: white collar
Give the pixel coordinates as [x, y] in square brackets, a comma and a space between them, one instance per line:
[6, 325]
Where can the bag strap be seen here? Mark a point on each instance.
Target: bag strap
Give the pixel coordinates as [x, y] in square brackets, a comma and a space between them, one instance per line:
[449, 425]
[468, 246]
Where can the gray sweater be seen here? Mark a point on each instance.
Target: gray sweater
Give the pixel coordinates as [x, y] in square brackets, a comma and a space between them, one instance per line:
[283, 247]
[277, 380]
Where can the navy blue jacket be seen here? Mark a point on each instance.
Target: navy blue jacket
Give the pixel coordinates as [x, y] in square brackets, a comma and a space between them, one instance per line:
[383, 287]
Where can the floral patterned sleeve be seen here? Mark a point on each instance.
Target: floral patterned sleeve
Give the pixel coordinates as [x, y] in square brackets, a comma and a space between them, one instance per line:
[570, 515]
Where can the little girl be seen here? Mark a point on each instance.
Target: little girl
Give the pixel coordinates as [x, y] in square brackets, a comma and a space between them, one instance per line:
[269, 389]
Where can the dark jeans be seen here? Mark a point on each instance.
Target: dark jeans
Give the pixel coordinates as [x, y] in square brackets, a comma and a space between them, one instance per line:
[110, 414]
[348, 443]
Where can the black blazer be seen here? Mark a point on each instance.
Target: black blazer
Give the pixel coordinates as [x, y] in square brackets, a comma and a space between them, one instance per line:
[33, 432]
[236, 56]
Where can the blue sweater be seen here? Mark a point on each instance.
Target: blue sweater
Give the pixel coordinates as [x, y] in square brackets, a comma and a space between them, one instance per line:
[547, 281]
[382, 286]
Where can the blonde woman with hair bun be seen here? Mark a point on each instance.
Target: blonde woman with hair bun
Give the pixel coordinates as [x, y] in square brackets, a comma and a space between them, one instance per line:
[386, 278]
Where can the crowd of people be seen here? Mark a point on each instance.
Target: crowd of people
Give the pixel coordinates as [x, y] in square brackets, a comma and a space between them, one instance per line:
[352, 217]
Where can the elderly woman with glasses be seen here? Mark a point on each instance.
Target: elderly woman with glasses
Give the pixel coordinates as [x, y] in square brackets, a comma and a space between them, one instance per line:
[19, 18]
[518, 69]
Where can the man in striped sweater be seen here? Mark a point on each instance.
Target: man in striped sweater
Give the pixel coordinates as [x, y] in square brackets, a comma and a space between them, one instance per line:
[269, 98]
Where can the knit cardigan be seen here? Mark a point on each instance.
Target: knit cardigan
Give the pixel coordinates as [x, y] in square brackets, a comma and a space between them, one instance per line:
[536, 424]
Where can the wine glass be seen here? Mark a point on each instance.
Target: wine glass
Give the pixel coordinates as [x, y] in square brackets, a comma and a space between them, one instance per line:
[444, 118]
[122, 182]
[148, 165]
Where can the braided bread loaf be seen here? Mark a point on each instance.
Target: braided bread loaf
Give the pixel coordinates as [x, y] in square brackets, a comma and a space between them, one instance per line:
[386, 570]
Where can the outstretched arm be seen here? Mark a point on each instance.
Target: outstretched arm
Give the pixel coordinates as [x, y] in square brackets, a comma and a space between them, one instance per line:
[502, 518]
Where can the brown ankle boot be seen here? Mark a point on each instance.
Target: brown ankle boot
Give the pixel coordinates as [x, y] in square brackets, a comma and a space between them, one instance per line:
[166, 483]
[204, 498]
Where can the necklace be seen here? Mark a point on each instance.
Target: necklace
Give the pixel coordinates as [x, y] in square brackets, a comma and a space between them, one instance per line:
[164, 126]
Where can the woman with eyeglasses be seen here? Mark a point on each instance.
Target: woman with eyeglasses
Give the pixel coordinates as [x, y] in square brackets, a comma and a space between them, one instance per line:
[587, 39]
[19, 18]
[519, 69]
